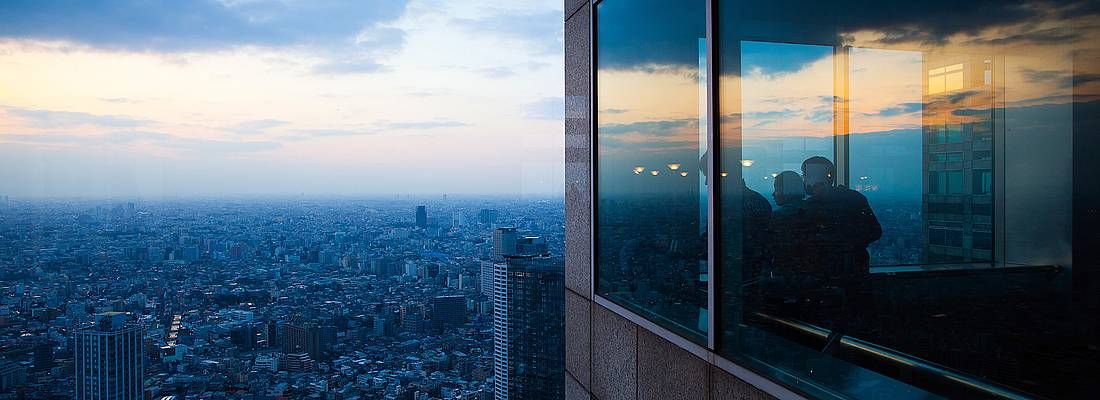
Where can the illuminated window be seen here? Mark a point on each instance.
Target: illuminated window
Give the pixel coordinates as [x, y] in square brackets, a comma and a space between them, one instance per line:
[945, 79]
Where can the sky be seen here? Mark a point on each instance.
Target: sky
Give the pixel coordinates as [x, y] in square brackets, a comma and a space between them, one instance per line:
[239, 97]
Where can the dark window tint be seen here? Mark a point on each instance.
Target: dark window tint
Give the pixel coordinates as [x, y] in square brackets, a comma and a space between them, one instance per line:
[652, 147]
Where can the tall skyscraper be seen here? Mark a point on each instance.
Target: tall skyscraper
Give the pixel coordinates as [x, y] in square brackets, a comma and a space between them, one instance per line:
[109, 359]
[528, 320]
[958, 157]
[504, 243]
[421, 216]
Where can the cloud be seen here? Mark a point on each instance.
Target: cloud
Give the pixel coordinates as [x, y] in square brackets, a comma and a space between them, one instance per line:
[315, 133]
[134, 136]
[348, 67]
[383, 127]
[198, 25]
[47, 119]
[163, 140]
[649, 33]
[662, 127]
[900, 109]
[956, 98]
[772, 114]
[552, 108]
[1082, 79]
[416, 125]
[542, 30]
[1064, 79]
[206, 146]
[121, 100]
[256, 127]
[772, 59]
[496, 72]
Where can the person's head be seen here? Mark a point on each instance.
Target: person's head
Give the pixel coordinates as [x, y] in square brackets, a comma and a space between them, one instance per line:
[819, 173]
[788, 187]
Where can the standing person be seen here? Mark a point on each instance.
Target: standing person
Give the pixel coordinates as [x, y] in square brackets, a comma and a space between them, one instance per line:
[795, 272]
[843, 226]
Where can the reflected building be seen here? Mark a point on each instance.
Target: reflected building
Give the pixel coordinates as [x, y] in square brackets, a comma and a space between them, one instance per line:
[958, 121]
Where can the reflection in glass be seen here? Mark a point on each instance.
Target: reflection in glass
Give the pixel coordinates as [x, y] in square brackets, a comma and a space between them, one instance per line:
[950, 262]
[652, 144]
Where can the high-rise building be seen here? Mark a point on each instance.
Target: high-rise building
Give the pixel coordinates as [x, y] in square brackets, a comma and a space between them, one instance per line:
[528, 337]
[109, 359]
[504, 242]
[487, 216]
[43, 355]
[421, 216]
[958, 157]
[300, 337]
[531, 246]
[448, 311]
[487, 268]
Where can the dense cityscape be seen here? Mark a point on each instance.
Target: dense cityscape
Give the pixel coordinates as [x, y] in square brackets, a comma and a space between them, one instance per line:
[268, 298]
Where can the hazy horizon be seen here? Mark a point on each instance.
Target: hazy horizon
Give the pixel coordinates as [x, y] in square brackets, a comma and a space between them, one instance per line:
[288, 97]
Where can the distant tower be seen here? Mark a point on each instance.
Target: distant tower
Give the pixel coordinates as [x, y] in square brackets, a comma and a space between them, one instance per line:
[109, 359]
[421, 217]
[487, 216]
[528, 341]
[504, 243]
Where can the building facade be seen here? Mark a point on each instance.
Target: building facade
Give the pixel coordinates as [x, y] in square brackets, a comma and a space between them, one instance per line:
[421, 216]
[448, 311]
[528, 347]
[109, 359]
[932, 236]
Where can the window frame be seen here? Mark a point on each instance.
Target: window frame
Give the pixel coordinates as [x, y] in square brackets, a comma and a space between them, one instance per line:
[712, 350]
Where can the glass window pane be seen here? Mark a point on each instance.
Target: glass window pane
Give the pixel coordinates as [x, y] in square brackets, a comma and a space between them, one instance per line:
[652, 150]
[949, 152]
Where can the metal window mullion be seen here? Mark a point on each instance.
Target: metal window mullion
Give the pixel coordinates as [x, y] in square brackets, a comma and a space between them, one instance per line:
[593, 276]
[713, 303]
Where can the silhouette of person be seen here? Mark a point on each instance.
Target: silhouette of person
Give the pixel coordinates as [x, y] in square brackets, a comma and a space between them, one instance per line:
[846, 224]
[843, 226]
[755, 222]
[794, 272]
[790, 227]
